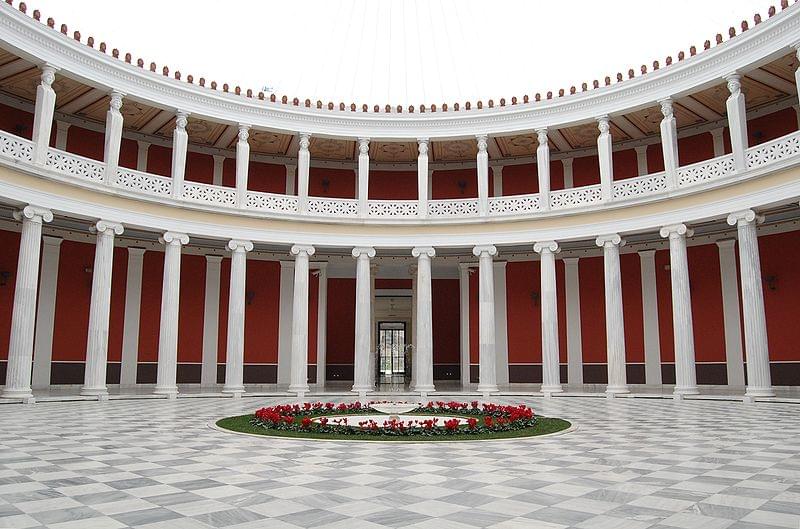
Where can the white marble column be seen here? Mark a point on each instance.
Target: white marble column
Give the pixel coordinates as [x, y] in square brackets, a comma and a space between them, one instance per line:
[543, 169]
[423, 180]
[487, 382]
[362, 382]
[574, 340]
[291, 174]
[219, 166]
[23, 314]
[113, 137]
[615, 323]
[303, 167]
[141, 155]
[130, 326]
[286, 301]
[669, 142]
[568, 174]
[737, 121]
[641, 160]
[500, 324]
[551, 375]
[717, 136]
[483, 175]
[43, 114]
[604, 150]
[322, 323]
[234, 346]
[45, 312]
[94, 381]
[373, 327]
[62, 133]
[168, 329]
[424, 321]
[363, 177]
[299, 374]
[180, 141]
[497, 180]
[463, 283]
[734, 356]
[652, 342]
[759, 382]
[797, 80]
[685, 374]
[208, 371]
[242, 164]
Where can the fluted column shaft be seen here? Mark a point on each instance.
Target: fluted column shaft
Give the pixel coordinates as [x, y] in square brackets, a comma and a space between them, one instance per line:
[99, 309]
[604, 150]
[362, 381]
[46, 312]
[423, 180]
[483, 175]
[463, 284]
[133, 306]
[303, 166]
[737, 121]
[43, 114]
[487, 382]
[363, 176]
[423, 324]
[299, 372]
[242, 164]
[615, 323]
[234, 355]
[551, 376]
[113, 138]
[23, 315]
[652, 342]
[759, 381]
[669, 142]
[574, 340]
[168, 329]
[322, 323]
[731, 317]
[685, 375]
[180, 142]
[543, 169]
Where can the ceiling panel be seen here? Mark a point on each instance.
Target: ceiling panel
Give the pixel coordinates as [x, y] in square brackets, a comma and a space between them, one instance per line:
[460, 150]
[393, 151]
[523, 145]
[266, 142]
[330, 149]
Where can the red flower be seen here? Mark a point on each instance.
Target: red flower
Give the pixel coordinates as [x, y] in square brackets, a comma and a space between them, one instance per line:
[487, 420]
[305, 422]
[323, 421]
[472, 422]
[451, 425]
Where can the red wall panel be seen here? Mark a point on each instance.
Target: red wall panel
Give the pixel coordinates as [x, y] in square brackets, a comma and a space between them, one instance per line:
[520, 179]
[446, 184]
[585, 171]
[655, 158]
[265, 177]
[9, 242]
[150, 316]
[72, 301]
[199, 168]
[474, 346]
[341, 183]
[85, 142]
[780, 259]
[392, 185]
[625, 164]
[128, 153]
[341, 320]
[119, 276]
[524, 317]
[632, 312]
[191, 308]
[159, 160]
[393, 283]
[697, 148]
[446, 321]
[771, 126]
[593, 309]
[16, 121]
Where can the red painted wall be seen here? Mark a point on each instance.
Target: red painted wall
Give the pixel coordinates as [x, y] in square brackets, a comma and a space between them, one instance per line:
[593, 309]
[474, 346]
[632, 312]
[265, 177]
[655, 158]
[128, 153]
[341, 183]
[190, 309]
[159, 160]
[150, 315]
[625, 165]
[9, 242]
[392, 185]
[445, 184]
[771, 126]
[585, 171]
[393, 283]
[446, 321]
[697, 148]
[119, 276]
[520, 179]
[780, 258]
[85, 142]
[341, 321]
[199, 168]
[72, 301]
[16, 121]
[523, 312]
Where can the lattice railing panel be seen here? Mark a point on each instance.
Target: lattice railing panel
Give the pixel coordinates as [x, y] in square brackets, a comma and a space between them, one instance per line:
[333, 207]
[514, 205]
[209, 194]
[575, 197]
[453, 208]
[16, 147]
[705, 171]
[393, 208]
[270, 202]
[773, 151]
[640, 186]
[144, 182]
[75, 165]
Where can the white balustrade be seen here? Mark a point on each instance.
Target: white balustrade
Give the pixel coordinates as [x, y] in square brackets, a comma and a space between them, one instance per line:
[706, 170]
[333, 207]
[393, 208]
[575, 197]
[75, 165]
[514, 205]
[270, 202]
[209, 194]
[15, 147]
[144, 182]
[453, 208]
[640, 186]
[773, 151]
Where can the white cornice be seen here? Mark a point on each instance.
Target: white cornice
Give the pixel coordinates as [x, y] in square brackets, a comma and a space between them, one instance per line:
[37, 42]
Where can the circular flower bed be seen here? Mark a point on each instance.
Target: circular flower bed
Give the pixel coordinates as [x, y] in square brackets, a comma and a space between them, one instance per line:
[437, 420]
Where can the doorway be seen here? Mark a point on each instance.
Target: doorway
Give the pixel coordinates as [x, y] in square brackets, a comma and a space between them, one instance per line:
[393, 362]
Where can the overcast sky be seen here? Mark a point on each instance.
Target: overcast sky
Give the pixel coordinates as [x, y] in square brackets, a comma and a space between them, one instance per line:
[401, 51]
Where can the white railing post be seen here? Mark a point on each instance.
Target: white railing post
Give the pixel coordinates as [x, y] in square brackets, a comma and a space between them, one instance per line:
[423, 181]
[180, 140]
[363, 176]
[737, 121]
[43, 114]
[604, 158]
[242, 164]
[483, 175]
[62, 132]
[113, 138]
[291, 171]
[568, 177]
[641, 159]
[669, 143]
[717, 136]
[303, 163]
[219, 164]
[497, 180]
[543, 169]
[141, 155]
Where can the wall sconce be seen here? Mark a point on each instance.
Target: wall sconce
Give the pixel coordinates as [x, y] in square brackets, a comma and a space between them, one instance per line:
[462, 186]
[88, 270]
[772, 282]
[4, 276]
[249, 296]
[325, 184]
[535, 298]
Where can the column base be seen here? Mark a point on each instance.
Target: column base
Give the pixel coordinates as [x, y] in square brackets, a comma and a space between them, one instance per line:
[233, 390]
[686, 390]
[551, 388]
[98, 392]
[486, 389]
[300, 389]
[169, 391]
[617, 389]
[759, 392]
[23, 394]
[424, 389]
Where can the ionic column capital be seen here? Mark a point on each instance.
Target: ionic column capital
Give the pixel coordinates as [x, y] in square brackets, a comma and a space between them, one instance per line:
[746, 216]
[541, 136]
[676, 230]
[238, 245]
[48, 74]
[483, 141]
[363, 145]
[546, 246]
[609, 239]
[366, 252]
[107, 227]
[116, 100]
[485, 249]
[34, 214]
[305, 139]
[423, 144]
[244, 131]
[666, 107]
[174, 238]
[181, 119]
[299, 249]
[734, 81]
[603, 124]
[419, 251]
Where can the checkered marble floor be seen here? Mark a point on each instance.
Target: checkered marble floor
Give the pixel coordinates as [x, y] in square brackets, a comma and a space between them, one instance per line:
[633, 463]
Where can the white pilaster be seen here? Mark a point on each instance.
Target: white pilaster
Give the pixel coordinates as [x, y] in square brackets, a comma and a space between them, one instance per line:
[568, 176]
[737, 121]
[797, 79]
[299, 375]
[363, 176]
[685, 371]
[796, 107]
[734, 357]
[168, 329]
[615, 323]
[759, 382]
[424, 321]
[486, 335]
[669, 142]
[242, 163]
[543, 169]
[641, 159]
[219, 165]
[483, 175]
[180, 141]
[412, 332]
[234, 350]
[497, 180]
[113, 138]
[423, 180]
[99, 310]
[23, 314]
[208, 372]
[303, 166]
[322, 323]
[43, 114]
[574, 341]
[500, 324]
[130, 327]
[463, 283]
[45, 312]
[291, 174]
[604, 156]
[717, 136]
[141, 155]
[285, 323]
[551, 375]
[652, 342]
[362, 382]
[62, 132]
